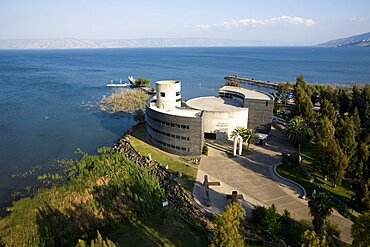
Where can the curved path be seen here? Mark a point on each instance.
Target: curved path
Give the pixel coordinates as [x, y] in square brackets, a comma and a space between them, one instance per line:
[253, 177]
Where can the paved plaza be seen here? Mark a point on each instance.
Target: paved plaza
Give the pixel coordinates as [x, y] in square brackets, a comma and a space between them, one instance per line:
[253, 177]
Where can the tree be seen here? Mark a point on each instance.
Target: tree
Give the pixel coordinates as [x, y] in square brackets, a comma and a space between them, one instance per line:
[325, 130]
[346, 134]
[360, 231]
[229, 231]
[344, 101]
[327, 109]
[97, 242]
[141, 82]
[320, 209]
[303, 105]
[249, 135]
[311, 239]
[266, 218]
[296, 130]
[331, 160]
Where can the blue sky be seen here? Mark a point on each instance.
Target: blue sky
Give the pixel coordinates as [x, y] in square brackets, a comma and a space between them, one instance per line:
[282, 22]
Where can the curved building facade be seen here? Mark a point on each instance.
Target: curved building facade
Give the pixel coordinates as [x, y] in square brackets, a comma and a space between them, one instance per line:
[181, 129]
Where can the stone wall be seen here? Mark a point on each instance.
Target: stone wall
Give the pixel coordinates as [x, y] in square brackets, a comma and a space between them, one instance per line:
[176, 196]
[260, 114]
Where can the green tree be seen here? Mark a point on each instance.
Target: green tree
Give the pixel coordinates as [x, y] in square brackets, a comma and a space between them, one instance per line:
[296, 130]
[331, 160]
[327, 109]
[249, 135]
[141, 82]
[303, 105]
[311, 239]
[346, 134]
[97, 242]
[344, 101]
[320, 209]
[360, 231]
[325, 130]
[229, 231]
[266, 218]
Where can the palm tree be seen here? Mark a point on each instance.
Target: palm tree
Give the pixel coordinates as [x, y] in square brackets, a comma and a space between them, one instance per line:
[320, 209]
[296, 130]
[239, 131]
[249, 135]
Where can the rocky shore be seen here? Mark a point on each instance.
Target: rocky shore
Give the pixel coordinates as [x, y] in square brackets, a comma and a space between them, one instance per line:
[176, 196]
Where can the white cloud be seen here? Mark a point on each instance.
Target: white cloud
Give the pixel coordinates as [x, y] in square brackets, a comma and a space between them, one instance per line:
[233, 24]
[357, 19]
[203, 26]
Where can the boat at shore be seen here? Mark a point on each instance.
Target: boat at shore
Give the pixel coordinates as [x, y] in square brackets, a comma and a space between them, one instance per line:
[120, 84]
[131, 79]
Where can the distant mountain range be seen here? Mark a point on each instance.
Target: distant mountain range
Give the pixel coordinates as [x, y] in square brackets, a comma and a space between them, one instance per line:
[121, 43]
[361, 40]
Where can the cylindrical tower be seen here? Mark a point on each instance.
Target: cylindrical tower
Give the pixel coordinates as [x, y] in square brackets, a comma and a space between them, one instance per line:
[168, 94]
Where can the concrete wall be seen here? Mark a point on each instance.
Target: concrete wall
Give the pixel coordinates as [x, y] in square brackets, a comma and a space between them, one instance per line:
[175, 134]
[168, 94]
[223, 123]
[260, 114]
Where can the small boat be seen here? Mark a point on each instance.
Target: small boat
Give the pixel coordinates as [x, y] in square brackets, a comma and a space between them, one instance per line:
[120, 84]
[131, 79]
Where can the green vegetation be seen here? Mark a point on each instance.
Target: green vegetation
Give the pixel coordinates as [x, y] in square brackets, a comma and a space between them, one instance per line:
[232, 83]
[124, 101]
[311, 239]
[282, 228]
[361, 231]
[174, 163]
[205, 150]
[335, 138]
[229, 231]
[104, 191]
[141, 82]
[320, 209]
[249, 135]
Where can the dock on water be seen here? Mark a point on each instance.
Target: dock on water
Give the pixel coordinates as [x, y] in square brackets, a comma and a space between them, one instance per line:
[251, 81]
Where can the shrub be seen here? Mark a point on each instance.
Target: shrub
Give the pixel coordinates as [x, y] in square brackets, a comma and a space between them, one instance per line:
[205, 150]
[290, 161]
[141, 82]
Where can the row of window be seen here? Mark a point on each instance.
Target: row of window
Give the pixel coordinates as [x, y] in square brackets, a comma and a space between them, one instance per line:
[163, 94]
[231, 95]
[169, 135]
[168, 145]
[168, 124]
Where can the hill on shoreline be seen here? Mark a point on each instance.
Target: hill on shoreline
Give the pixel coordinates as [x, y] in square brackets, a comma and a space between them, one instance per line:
[361, 40]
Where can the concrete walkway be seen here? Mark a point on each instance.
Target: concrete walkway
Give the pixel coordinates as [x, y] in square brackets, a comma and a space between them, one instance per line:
[253, 177]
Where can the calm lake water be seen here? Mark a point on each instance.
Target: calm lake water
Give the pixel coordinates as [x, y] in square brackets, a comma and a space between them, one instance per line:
[41, 91]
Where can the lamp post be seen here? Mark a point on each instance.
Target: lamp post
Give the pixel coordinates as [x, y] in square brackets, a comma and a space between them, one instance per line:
[299, 154]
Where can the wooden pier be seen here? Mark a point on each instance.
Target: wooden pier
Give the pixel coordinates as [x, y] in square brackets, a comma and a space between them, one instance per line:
[251, 81]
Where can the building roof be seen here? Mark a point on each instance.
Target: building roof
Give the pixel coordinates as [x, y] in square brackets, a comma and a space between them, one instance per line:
[173, 111]
[214, 104]
[249, 94]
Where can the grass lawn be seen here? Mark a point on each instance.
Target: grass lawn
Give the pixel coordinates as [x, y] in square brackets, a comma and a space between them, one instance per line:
[173, 231]
[176, 164]
[342, 192]
[297, 176]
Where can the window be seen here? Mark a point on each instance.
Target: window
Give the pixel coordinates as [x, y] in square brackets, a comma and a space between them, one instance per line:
[177, 100]
[178, 93]
[163, 94]
[267, 103]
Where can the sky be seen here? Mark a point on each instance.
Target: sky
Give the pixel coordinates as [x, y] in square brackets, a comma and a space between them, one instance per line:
[281, 22]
